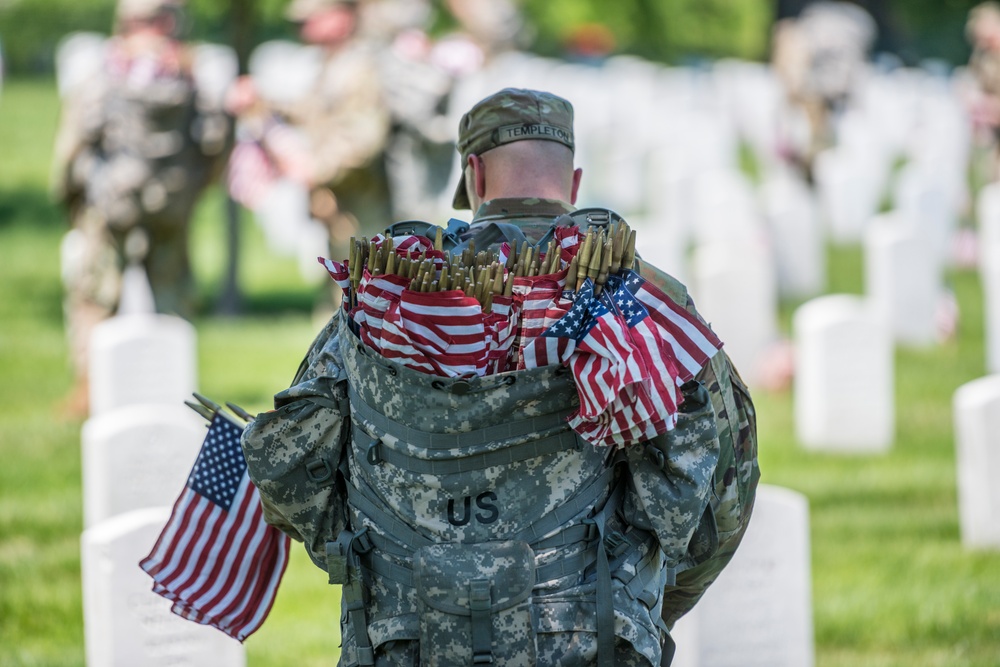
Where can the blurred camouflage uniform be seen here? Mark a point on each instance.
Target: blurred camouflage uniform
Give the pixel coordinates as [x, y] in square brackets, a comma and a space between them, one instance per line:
[818, 57]
[346, 125]
[136, 147]
[417, 86]
[466, 521]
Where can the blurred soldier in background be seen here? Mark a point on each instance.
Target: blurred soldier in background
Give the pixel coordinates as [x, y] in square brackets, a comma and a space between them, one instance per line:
[137, 144]
[418, 76]
[983, 32]
[494, 26]
[341, 121]
[818, 57]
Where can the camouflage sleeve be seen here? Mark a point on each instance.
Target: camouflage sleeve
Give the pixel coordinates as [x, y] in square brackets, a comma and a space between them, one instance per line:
[293, 452]
[81, 125]
[672, 476]
[708, 464]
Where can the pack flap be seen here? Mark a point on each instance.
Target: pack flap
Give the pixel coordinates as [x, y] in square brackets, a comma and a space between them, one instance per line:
[447, 575]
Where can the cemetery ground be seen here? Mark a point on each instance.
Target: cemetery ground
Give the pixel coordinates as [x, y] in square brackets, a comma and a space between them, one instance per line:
[892, 585]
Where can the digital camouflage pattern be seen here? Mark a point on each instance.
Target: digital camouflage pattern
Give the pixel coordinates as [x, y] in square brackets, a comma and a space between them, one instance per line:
[136, 147]
[422, 476]
[482, 591]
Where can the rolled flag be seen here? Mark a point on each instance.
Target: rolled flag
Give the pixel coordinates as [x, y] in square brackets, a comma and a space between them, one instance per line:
[448, 328]
[339, 271]
[216, 559]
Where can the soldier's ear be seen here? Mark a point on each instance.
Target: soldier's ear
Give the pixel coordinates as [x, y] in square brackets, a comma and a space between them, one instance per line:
[478, 168]
[577, 175]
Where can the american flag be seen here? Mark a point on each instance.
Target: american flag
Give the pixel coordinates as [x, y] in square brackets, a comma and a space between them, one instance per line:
[692, 342]
[447, 328]
[339, 271]
[216, 559]
[603, 360]
[250, 173]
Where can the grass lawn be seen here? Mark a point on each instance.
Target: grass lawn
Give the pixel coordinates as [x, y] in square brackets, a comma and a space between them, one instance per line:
[892, 585]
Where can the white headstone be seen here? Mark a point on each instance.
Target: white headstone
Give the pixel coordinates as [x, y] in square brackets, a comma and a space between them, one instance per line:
[847, 194]
[735, 289]
[990, 275]
[762, 600]
[922, 196]
[902, 278]
[796, 234]
[125, 623]
[843, 390]
[989, 258]
[977, 449]
[138, 359]
[137, 456]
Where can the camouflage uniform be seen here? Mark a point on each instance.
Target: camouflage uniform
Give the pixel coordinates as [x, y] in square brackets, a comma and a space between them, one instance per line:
[818, 57]
[136, 147]
[466, 498]
[346, 125]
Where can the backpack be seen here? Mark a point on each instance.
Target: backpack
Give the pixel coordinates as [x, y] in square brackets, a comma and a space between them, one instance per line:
[468, 524]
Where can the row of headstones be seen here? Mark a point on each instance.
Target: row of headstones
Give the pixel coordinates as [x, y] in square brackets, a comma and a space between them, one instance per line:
[138, 446]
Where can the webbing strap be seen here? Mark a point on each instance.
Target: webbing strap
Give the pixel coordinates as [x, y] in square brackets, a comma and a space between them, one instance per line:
[344, 567]
[482, 622]
[378, 452]
[491, 434]
[561, 515]
[402, 575]
[361, 499]
[605, 599]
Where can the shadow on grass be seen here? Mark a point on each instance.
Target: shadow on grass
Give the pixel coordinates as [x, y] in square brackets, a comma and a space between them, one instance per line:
[29, 205]
[264, 304]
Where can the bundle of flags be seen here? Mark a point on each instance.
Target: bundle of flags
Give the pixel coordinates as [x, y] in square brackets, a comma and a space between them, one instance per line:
[629, 346]
[216, 559]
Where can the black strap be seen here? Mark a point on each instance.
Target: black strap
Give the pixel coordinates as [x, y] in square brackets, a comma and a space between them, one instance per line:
[492, 233]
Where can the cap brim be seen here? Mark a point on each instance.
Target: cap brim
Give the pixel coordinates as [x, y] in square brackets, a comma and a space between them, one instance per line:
[461, 201]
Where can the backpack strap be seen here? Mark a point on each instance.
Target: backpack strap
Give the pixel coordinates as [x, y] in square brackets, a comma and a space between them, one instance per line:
[451, 235]
[494, 232]
[344, 567]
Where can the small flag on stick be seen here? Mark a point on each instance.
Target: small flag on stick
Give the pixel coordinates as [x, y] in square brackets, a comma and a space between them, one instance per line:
[216, 559]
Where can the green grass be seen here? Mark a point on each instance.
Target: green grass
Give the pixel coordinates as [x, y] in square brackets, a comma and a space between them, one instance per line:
[892, 585]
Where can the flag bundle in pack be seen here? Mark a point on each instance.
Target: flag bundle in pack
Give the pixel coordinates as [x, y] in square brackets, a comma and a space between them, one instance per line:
[216, 559]
[580, 303]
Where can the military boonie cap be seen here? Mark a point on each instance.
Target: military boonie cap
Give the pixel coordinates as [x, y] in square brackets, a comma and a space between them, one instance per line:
[300, 10]
[510, 115]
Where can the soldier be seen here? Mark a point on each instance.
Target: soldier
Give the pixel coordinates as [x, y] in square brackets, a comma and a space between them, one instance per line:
[419, 75]
[529, 546]
[983, 31]
[136, 146]
[818, 57]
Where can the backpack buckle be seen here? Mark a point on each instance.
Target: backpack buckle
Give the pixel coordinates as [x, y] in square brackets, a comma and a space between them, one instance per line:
[319, 471]
[372, 454]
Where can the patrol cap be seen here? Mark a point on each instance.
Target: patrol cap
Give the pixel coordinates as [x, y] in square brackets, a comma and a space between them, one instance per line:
[510, 115]
[300, 10]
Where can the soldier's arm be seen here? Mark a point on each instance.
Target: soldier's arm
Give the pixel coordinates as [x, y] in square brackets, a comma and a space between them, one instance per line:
[293, 452]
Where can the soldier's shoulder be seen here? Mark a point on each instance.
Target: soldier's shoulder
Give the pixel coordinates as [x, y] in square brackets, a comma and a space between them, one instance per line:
[669, 285]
